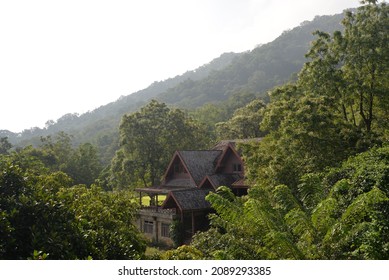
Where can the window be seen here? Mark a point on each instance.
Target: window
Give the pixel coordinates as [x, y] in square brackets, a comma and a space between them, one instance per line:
[148, 227]
[165, 229]
[237, 167]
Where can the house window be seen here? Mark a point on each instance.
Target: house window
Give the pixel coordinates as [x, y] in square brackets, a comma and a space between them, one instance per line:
[165, 229]
[237, 167]
[148, 227]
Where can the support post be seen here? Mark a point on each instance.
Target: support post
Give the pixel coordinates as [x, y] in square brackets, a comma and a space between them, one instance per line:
[193, 224]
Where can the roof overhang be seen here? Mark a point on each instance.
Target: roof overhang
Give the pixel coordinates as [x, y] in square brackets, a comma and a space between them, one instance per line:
[158, 189]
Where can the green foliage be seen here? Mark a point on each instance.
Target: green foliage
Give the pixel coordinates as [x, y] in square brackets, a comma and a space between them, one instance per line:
[59, 148]
[352, 67]
[43, 216]
[299, 207]
[33, 216]
[244, 122]
[255, 71]
[105, 220]
[304, 136]
[5, 145]
[39, 255]
[337, 107]
[337, 214]
[84, 165]
[319, 189]
[183, 253]
[362, 230]
[176, 233]
[246, 228]
[148, 139]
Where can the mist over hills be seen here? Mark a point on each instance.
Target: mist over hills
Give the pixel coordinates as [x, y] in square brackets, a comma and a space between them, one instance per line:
[252, 72]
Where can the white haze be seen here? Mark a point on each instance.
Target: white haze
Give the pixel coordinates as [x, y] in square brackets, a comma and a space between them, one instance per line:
[59, 57]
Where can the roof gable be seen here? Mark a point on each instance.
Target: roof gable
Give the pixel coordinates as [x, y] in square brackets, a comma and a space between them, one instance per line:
[182, 182]
[218, 180]
[228, 152]
[198, 164]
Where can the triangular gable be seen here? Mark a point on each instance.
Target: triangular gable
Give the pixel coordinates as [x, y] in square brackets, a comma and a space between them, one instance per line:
[199, 163]
[170, 168]
[217, 180]
[226, 154]
[171, 202]
[207, 181]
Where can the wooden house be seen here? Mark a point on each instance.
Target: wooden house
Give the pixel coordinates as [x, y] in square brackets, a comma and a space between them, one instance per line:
[188, 179]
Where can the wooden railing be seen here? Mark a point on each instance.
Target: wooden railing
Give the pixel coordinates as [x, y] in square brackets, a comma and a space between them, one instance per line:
[156, 209]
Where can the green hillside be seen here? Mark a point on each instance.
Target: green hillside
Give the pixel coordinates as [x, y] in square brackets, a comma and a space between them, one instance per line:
[254, 71]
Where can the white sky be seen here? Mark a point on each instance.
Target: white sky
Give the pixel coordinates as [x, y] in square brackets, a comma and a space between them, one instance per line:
[71, 56]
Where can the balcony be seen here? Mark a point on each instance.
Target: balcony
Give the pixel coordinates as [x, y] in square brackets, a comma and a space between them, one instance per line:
[154, 211]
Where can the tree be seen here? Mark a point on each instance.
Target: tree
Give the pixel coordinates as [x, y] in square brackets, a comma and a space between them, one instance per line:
[84, 165]
[337, 107]
[58, 154]
[352, 218]
[45, 213]
[337, 214]
[304, 135]
[5, 145]
[353, 66]
[247, 228]
[313, 196]
[148, 139]
[244, 122]
[33, 218]
[105, 220]
[59, 148]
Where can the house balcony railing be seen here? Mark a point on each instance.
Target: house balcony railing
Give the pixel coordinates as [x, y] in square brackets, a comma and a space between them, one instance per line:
[157, 209]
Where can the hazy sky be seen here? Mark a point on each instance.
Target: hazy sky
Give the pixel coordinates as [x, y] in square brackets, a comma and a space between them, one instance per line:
[59, 57]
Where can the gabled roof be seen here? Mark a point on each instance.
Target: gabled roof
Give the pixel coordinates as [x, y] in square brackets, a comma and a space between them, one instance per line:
[227, 151]
[218, 180]
[229, 146]
[198, 164]
[188, 199]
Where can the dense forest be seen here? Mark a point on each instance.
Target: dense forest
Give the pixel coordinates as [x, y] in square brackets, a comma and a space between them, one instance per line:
[319, 177]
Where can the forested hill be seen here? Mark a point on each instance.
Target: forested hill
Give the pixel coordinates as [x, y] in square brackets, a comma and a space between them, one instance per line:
[255, 71]
[250, 72]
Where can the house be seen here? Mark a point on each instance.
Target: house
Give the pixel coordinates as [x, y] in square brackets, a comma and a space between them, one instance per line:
[188, 179]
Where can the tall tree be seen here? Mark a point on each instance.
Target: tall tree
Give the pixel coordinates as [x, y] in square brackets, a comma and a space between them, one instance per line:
[337, 107]
[353, 66]
[244, 122]
[5, 145]
[84, 165]
[148, 139]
